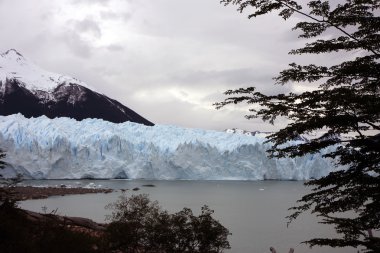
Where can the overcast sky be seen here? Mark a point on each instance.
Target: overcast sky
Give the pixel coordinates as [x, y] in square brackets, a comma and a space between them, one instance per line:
[169, 60]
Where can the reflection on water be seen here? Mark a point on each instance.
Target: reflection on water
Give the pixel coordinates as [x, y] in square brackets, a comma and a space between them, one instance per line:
[254, 211]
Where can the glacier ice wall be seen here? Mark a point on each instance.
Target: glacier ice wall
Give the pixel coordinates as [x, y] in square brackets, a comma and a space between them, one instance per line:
[63, 148]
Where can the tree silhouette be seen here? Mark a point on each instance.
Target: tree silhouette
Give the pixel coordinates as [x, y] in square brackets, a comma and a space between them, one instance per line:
[140, 225]
[345, 106]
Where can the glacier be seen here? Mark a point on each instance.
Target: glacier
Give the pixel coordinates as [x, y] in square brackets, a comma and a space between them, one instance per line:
[63, 148]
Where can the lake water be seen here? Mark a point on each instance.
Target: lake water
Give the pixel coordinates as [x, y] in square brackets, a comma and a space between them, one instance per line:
[253, 211]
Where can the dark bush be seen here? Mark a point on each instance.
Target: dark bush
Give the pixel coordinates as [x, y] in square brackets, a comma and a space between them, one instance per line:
[139, 225]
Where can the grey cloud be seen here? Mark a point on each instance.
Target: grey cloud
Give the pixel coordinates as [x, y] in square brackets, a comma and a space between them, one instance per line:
[115, 48]
[126, 16]
[109, 15]
[101, 2]
[183, 93]
[224, 26]
[112, 15]
[233, 78]
[87, 25]
[76, 44]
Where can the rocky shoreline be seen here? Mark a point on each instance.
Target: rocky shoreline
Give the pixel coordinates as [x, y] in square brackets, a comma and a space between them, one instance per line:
[20, 193]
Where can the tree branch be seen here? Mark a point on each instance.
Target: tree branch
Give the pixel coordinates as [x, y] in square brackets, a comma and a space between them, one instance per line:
[331, 24]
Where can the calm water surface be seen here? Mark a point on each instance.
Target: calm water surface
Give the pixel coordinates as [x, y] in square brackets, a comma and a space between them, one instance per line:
[253, 211]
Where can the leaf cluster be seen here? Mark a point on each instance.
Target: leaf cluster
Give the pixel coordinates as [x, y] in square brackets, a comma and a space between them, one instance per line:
[140, 225]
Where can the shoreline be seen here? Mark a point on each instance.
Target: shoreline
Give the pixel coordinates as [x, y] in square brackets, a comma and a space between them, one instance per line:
[20, 193]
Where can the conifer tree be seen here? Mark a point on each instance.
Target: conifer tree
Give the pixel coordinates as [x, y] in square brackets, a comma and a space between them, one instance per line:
[345, 106]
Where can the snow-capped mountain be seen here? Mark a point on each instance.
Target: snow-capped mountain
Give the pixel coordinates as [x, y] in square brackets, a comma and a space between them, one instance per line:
[26, 88]
[92, 148]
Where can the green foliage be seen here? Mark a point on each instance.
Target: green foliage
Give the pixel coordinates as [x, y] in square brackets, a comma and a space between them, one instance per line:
[345, 102]
[139, 225]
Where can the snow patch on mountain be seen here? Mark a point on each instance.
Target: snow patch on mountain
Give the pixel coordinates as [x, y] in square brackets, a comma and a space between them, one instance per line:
[13, 65]
[93, 148]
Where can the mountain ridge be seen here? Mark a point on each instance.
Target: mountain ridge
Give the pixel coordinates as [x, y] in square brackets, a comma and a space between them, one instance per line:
[28, 89]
